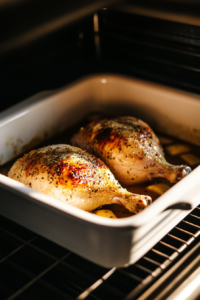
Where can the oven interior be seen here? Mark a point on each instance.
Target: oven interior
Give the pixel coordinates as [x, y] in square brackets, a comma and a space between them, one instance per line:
[159, 43]
[116, 39]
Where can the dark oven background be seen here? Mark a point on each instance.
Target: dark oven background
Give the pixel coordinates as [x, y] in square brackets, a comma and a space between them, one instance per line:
[46, 45]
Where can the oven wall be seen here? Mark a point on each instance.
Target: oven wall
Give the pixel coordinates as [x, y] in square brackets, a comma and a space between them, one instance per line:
[154, 40]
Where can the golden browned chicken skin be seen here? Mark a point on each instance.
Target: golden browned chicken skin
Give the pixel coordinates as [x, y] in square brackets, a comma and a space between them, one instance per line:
[130, 148]
[75, 177]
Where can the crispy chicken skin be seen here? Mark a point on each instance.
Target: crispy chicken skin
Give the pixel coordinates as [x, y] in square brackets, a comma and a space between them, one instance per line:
[130, 148]
[75, 177]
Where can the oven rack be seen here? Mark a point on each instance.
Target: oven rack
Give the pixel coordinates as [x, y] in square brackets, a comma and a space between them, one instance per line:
[32, 267]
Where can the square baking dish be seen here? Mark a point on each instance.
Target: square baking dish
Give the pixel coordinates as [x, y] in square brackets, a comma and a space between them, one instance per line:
[107, 242]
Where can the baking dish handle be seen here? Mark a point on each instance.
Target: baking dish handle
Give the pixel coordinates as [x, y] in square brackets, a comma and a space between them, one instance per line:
[186, 202]
[185, 195]
[183, 205]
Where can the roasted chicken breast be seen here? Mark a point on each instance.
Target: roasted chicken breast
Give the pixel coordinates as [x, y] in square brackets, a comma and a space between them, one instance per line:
[75, 177]
[130, 148]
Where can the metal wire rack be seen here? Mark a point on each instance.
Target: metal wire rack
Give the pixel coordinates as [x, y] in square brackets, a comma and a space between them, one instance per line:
[32, 267]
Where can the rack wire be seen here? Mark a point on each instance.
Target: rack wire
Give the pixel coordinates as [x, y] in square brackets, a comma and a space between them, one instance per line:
[32, 267]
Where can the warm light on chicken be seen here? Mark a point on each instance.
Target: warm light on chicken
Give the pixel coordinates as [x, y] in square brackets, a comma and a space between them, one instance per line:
[74, 176]
[130, 148]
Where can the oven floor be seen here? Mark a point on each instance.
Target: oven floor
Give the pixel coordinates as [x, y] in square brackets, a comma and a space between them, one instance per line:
[32, 267]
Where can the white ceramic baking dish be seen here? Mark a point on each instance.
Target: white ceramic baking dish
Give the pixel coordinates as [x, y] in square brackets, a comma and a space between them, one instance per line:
[108, 242]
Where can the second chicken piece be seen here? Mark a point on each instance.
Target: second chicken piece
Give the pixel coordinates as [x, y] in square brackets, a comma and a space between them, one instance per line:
[130, 148]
